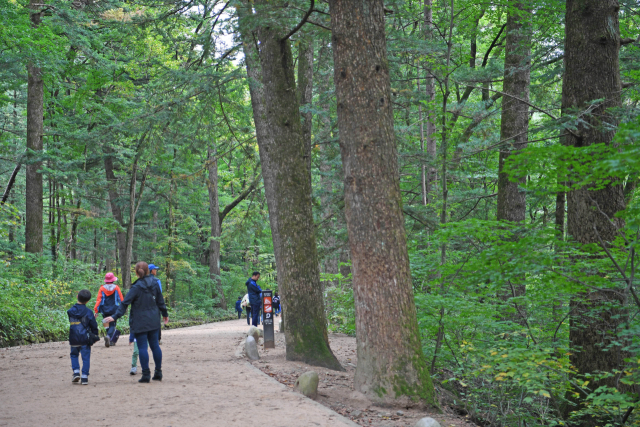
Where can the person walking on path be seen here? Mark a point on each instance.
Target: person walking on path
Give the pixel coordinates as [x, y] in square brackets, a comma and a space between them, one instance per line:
[238, 307]
[247, 306]
[83, 333]
[109, 298]
[146, 303]
[276, 303]
[153, 269]
[255, 297]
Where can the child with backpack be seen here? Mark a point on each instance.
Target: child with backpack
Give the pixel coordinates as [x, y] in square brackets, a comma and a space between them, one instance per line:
[107, 303]
[83, 333]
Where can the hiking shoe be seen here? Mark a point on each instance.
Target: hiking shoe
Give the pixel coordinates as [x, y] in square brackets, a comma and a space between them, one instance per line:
[133, 371]
[112, 344]
[107, 343]
[146, 376]
[76, 377]
[84, 381]
[159, 342]
[157, 375]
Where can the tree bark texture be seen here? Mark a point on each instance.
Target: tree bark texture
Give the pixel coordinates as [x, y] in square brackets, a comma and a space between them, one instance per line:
[515, 114]
[592, 45]
[430, 92]
[287, 173]
[391, 365]
[121, 237]
[305, 89]
[214, 242]
[35, 129]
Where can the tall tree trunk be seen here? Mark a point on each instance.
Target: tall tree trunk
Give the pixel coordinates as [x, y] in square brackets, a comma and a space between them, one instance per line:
[214, 242]
[116, 211]
[391, 364]
[515, 114]
[35, 130]
[74, 230]
[592, 45]
[154, 250]
[511, 205]
[296, 256]
[305, 91]
[431, 177]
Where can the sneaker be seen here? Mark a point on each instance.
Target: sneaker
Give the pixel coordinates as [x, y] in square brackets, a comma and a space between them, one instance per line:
[112, 344]
[107, 343]
[159, 342]
[133, 371]
[76, 377]
[84, 381]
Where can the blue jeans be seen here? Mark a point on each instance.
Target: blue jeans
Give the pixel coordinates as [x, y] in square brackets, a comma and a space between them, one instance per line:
[255, 314]
[112, 326]
[85, 351]
[151, 338]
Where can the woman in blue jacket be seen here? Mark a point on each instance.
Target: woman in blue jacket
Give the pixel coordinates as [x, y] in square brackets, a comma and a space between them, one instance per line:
[146, 303]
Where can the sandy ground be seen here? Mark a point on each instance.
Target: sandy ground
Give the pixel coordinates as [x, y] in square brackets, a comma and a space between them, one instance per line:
[335, 389]
[204, 384]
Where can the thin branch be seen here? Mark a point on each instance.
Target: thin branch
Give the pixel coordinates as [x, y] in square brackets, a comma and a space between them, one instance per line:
[304, 19]
[238, 199]
[493, 44]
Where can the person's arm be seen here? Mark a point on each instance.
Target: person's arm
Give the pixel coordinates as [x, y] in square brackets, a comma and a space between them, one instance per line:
[126, 302]
[92, 323]
[98, 301]
[162, 306]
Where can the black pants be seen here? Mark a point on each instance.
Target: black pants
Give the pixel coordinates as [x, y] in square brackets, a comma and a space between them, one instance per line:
[248, 315]
[239, 314]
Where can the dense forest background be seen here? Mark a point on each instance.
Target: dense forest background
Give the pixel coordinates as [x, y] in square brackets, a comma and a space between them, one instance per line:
[148, 151]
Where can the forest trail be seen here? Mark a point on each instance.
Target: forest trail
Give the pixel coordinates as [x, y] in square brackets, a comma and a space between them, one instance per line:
[204, 384]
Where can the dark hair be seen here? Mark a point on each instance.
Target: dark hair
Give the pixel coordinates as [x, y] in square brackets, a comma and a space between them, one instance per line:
[276, 293]
[84, 296]
[142, 269]
[255, 273]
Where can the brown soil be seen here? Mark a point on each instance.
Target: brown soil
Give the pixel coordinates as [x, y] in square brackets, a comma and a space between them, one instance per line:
[204, 384]
[336, 391]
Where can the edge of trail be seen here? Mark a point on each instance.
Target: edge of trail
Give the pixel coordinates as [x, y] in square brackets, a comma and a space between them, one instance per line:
[204, 384]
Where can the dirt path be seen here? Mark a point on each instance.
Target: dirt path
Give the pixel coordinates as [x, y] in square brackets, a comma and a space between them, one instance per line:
[204, 385]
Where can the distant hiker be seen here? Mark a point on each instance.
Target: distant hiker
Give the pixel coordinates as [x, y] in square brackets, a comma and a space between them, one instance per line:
[153, 269]
[239, 307]
[255, 297]
[146, 303]
[134, 357]
[109, 298]
[83, 333]
[247, 306]
[276, 303]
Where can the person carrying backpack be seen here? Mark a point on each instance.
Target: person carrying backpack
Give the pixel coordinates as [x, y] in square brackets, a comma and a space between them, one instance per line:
[83, 333]
[107, 303]
[247, 306]
[276, 303]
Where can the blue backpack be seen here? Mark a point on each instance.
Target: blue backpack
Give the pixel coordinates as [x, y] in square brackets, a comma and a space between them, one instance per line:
[80, 332]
